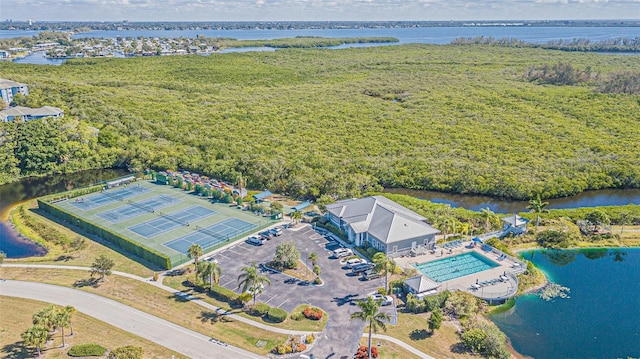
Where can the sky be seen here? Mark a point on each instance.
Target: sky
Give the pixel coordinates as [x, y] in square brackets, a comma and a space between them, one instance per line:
[315, 10]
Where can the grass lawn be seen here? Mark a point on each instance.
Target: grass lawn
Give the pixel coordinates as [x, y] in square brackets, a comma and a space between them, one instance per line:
[177, 282]
[389, 349]
[16, 318]
[413, 330]
[157, 302]
[85, 257]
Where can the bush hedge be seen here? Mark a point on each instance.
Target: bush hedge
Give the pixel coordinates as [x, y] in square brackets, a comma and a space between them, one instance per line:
[277, 315]
[313, 313]
[260, 309]
[127, 352]
[223, 294]
[125, 243]
[87, 350]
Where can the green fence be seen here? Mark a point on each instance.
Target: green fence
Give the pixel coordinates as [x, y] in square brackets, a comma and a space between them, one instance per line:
[125, 243]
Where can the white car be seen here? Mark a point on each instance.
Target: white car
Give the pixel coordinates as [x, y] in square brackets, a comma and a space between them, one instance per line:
[383, 299]
[342, 252]
[354, 262]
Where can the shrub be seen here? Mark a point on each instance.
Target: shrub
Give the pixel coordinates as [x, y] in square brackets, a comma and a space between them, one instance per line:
[260, 309]
[297, 316]
[362, 352]
[312, 313]
[87, 350]
[223, 294]
[317, 281]
[310, 338]
[277, 315]
[127, 352]
[300, 347]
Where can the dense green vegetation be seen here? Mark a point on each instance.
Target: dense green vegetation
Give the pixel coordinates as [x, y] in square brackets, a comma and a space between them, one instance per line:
[309, 122]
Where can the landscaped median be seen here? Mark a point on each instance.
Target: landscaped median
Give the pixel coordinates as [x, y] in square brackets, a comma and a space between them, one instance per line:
[293, 322]
[156, 301]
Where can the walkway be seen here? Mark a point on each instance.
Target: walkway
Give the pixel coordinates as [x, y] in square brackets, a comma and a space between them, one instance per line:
[185, 341]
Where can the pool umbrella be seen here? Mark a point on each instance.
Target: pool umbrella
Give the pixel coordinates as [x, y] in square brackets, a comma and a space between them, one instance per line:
[477, 240]
[476, 280]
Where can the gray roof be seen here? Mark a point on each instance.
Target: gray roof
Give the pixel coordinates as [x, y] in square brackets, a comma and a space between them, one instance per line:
[384, 219]
[28, 111]
[515, 220]
[7, 84]
[421, 284]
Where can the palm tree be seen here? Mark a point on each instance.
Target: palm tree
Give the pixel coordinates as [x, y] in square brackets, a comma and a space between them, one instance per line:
[195, 252]
[370, 315]
[538, 206]
[45, 317]
[625, 218]
[35, 336]
[296, 216]
[210, 271]
[383, 263]
[249, 280]
[61, 319]
[70, 310]
[241, 184]
[489, 217]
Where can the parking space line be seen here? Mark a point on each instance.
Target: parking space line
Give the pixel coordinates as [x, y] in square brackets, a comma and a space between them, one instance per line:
[226, 283]
[281, 304]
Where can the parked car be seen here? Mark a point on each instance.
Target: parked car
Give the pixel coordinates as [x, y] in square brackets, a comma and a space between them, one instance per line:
[354, 262]
[383, 299]
[369, 275]
[265, 235]
[342, 252]
[256, 241]
[360, 268]
[275, 232]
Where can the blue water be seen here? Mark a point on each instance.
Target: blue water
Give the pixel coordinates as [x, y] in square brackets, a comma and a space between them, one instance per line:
[601, 319]
[458, 266]
[424, 35]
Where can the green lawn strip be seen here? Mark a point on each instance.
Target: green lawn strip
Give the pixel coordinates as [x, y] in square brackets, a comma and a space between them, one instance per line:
[85, 257]
[17, 317]
[158, 302]
[387, 349]
[413, 330]
[178, 283]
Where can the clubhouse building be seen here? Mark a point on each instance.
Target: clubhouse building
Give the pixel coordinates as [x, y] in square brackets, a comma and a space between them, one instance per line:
[382, 224]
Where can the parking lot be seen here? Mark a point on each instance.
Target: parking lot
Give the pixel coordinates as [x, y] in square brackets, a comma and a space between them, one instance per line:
[340, 287]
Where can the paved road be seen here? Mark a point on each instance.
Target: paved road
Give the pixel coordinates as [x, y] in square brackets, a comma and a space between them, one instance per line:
[172, 336]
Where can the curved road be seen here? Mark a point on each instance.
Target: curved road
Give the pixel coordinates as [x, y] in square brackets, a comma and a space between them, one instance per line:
[182, 340]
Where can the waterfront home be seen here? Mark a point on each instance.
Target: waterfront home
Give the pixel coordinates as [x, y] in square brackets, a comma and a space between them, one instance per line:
[26, 113]
[514, 224]
[380, 223]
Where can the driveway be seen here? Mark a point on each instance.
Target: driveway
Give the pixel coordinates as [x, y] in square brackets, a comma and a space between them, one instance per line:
[337, 296]
[182, 340]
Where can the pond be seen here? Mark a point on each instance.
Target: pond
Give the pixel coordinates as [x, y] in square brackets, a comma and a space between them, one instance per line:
[13, 244]
[604, 197]
[601, 317]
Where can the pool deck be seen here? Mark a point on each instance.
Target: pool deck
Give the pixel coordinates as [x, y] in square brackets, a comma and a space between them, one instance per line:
[504, 275]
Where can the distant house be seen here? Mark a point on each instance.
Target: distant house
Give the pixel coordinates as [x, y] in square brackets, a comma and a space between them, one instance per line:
[9, 88]
[4, 54]
[301, 206]
[383, 224]
[9, 114]
[514, 224]
[421, 286]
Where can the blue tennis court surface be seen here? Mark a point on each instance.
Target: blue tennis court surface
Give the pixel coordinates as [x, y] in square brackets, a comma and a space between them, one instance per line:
[212, 235]
[135, 209]
[108, 196]
[167, 222]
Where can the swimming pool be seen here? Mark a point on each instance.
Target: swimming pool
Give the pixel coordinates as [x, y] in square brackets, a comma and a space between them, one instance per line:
[455, 267]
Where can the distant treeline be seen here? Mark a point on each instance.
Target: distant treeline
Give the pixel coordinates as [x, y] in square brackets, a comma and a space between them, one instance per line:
[582, 45]
[305, 42]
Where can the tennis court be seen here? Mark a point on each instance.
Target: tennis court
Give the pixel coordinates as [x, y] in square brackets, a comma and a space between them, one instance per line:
[157, 215]
[107, 197]
[167, 222]
[211, 235]
[135, 209]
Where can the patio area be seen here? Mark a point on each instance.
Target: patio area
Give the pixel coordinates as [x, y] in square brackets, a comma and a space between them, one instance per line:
[494, 284]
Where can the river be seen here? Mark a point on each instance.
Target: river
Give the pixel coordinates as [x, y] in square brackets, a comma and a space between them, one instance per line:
[405, 35]
[601, 317]
[13, 244]
[604, 197]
